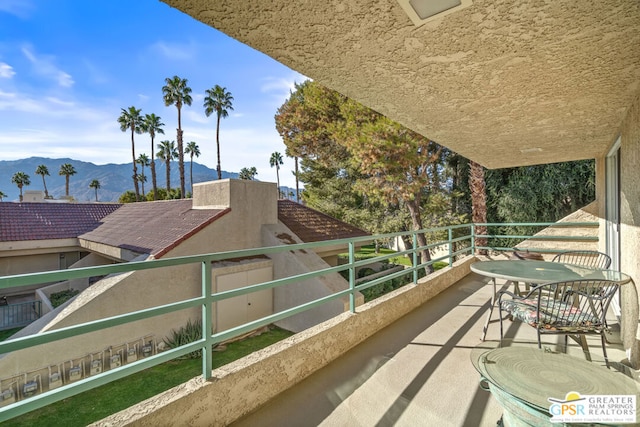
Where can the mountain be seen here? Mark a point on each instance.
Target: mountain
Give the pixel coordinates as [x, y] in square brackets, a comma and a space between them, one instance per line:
[114, 179]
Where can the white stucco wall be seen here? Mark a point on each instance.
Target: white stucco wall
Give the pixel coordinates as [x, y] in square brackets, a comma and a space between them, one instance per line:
[287, 264]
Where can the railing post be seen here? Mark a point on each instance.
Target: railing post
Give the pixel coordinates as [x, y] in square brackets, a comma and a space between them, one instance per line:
[450, 231]
[352, 278]
[473, 239]
[207, 320]
[415, 258]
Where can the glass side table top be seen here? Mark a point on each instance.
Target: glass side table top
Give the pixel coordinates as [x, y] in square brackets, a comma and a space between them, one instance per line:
[534, 375]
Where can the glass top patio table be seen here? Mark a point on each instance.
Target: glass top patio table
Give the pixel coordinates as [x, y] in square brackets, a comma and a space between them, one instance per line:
[544, 272]
[538, 272]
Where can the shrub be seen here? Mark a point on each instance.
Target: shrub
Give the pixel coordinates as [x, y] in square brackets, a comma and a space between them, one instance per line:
[59, 298]
[187, 334]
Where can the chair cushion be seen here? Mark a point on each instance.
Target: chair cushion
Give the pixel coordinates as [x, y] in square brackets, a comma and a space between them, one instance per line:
[556, 316]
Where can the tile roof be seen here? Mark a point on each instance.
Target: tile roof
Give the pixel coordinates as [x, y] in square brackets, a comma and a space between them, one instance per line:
[44, 221]
[152, 227]
[314, 226]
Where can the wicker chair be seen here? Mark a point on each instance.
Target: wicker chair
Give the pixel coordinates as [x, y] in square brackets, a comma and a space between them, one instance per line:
[572, 309]
[592, 259]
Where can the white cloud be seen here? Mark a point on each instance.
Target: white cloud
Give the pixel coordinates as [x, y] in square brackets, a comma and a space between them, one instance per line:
[174, 51]
[242, 147]
[281, 87]
[20, 8]
[44, 66]
[6, 71]
[60, 102]
[198, 117]
[95, 73]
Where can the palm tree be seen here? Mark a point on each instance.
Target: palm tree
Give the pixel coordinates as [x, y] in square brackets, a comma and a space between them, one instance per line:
[167, 152]
[143, 160]
[248, 173]
[43, 170]
[192, 150]
[2, 195]
[276, 160]
[220, 101]
[67, 170]
[95, 184]
[295, 173]
[142, 178]
[20, 179]
[478, 190]
[153, 125]
[132, 120]
[176, 92]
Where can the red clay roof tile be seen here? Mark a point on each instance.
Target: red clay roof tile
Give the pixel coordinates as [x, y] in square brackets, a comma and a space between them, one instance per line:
[151, 227]
[44, 221]
[314, 226]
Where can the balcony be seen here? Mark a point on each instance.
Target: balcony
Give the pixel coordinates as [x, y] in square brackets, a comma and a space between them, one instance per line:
[401, 359]
[417, 371]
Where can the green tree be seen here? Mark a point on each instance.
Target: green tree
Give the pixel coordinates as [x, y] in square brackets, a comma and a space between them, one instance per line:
[395, 161]
[127, 197]
[248, 173]
[152, 125]
[541, 193]
[95, 184]
[304, 122]
[43, 170]
[192, 150]
[67, 170]
[177, 92]
[131, 119]
[167, 152]
[20, 179]
[276, 161]
[220, 101]
[2, 196]
[360, 163]
[142, 160]
[174, 194]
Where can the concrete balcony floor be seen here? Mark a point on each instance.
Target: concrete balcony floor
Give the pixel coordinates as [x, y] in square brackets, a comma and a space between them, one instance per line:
[417, 371]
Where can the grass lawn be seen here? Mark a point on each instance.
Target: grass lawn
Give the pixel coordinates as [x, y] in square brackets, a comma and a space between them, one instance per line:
[108, 399]
[7, 333]
[369, 251]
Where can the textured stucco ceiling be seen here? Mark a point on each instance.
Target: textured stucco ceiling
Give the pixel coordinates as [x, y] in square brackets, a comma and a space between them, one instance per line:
[505, 83]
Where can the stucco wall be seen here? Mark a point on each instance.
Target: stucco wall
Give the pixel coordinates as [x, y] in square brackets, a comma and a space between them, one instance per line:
[588, 213]
[252, 204]
[287, 264]
[242, 386]
[630, 228]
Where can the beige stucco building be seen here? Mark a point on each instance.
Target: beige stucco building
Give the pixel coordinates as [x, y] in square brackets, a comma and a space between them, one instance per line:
[222, 216]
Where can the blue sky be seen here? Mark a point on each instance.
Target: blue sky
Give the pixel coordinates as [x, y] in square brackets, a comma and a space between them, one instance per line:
[68, 67]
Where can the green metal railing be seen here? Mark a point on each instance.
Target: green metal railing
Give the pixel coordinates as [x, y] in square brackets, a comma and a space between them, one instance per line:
[19, 314]
[462, 244]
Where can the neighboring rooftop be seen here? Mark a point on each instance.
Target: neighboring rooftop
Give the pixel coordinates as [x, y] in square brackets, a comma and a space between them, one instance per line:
[46, 221]
[152, 227]
[313, 226]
